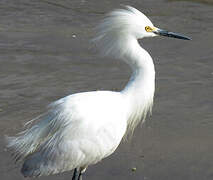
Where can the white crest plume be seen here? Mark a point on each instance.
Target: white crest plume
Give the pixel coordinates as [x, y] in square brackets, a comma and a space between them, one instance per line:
[115, 29]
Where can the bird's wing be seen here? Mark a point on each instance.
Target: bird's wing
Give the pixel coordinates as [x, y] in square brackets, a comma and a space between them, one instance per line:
[68, 132]
[44, 128]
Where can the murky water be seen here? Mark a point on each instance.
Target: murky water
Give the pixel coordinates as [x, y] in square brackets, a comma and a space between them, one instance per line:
[45, 54]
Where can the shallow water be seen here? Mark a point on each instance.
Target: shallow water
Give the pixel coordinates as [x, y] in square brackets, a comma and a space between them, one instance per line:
[45, 54]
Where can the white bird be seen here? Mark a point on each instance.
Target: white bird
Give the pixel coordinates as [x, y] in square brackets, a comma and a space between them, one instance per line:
[81, 129]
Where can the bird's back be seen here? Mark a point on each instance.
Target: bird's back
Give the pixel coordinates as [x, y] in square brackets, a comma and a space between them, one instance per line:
[77, 131]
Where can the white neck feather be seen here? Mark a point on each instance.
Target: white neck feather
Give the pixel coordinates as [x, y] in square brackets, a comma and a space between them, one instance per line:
[139, 91]
[117, 37]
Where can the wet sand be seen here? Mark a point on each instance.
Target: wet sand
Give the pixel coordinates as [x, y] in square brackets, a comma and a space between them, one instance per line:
[45, 54]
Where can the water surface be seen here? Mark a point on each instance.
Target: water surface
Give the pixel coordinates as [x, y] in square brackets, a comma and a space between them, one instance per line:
[45, 54]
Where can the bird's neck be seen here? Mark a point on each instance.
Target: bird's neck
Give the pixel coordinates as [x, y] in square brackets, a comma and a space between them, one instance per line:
[139, 91]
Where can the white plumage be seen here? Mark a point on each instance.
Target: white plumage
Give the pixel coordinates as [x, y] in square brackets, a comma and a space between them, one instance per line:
[83, 128]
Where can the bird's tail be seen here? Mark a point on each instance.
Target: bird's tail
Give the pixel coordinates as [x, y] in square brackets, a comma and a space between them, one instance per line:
[42, 151]
[42, 146]
[39, 131]
[38, 164]
[27, 141]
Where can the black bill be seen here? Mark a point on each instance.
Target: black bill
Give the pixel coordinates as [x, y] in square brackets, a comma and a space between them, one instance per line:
[162, 32]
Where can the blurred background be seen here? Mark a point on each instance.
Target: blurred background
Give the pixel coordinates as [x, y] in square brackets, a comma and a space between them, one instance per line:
[46, 54]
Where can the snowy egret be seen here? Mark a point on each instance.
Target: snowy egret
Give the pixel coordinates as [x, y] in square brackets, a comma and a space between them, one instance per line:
[81, 129]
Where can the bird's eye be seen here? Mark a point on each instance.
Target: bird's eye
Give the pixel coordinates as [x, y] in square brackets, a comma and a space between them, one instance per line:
[148, 29]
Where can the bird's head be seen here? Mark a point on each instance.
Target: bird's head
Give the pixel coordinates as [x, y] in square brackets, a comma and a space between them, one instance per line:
[121, 24]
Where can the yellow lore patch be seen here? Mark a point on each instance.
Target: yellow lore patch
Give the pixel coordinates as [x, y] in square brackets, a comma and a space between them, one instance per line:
[149, 29]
